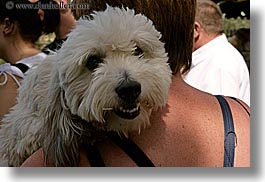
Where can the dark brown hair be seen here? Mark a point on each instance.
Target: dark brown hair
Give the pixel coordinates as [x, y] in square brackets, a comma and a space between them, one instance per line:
[30, 24]
[51, 17]
[173, 18]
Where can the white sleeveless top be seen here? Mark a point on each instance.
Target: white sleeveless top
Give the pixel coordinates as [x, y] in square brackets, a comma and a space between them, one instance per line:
[8, 69]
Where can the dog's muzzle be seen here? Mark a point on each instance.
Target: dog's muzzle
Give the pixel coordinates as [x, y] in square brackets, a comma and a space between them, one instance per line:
[128, 92]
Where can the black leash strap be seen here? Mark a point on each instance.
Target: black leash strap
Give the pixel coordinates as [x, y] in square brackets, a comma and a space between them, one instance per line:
[132, 150]
[230, 136]
[93, 156]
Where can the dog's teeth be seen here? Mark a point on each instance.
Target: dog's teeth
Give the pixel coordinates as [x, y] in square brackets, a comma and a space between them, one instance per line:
[135, 109]
[125, 134]
[129, 111]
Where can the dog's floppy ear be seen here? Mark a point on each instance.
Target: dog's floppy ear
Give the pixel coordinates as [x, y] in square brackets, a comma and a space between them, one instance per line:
[61, 142]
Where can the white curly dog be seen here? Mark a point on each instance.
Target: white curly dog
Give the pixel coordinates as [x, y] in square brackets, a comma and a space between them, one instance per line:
[109, 75]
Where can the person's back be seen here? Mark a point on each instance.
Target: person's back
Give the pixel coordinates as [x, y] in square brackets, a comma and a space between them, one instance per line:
[189, 130]
[217, 67]
[181, 135]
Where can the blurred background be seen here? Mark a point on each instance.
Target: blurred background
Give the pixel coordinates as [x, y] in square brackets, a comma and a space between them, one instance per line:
[236, 15]
[237, 24]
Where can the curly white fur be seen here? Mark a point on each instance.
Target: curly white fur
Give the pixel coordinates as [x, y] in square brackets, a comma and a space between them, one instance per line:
[62, 88]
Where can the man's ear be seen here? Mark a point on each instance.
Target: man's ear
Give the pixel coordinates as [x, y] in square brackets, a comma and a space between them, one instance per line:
[8, 26]
[197, 28]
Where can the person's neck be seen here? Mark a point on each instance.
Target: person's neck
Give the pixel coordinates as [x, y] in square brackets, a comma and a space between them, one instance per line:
[67, 23]
[177, 81]
[205, 38]
[20, 50]
[61, 33]
[213, 36]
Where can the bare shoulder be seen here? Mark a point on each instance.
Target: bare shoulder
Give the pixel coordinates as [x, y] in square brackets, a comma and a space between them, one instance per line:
[241, 119]
[188, 131]
[8, 93]
[37, 160]
[195, 129]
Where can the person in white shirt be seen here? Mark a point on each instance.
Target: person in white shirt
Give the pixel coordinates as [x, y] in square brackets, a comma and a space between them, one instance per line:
[217, 67]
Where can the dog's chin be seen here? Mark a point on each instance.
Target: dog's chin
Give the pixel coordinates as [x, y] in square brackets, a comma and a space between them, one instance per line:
[126, 120]
[128, 111]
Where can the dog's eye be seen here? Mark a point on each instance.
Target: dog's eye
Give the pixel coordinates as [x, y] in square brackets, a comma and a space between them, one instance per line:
[93, 62]
[138, 51]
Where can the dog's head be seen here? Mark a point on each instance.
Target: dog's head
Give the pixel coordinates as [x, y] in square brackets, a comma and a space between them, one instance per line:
[113, 70]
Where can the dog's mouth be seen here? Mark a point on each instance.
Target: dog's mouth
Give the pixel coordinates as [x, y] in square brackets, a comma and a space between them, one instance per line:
[128, 110]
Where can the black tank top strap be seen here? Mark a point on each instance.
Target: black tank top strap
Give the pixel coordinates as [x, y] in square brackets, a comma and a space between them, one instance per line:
[127, 145]
[230, 135]
[235, 99]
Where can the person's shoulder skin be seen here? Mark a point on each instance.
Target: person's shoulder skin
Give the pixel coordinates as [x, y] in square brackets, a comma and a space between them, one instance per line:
[8, 93]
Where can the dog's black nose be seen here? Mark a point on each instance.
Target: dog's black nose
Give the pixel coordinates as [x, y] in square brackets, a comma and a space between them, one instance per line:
[129, 90]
